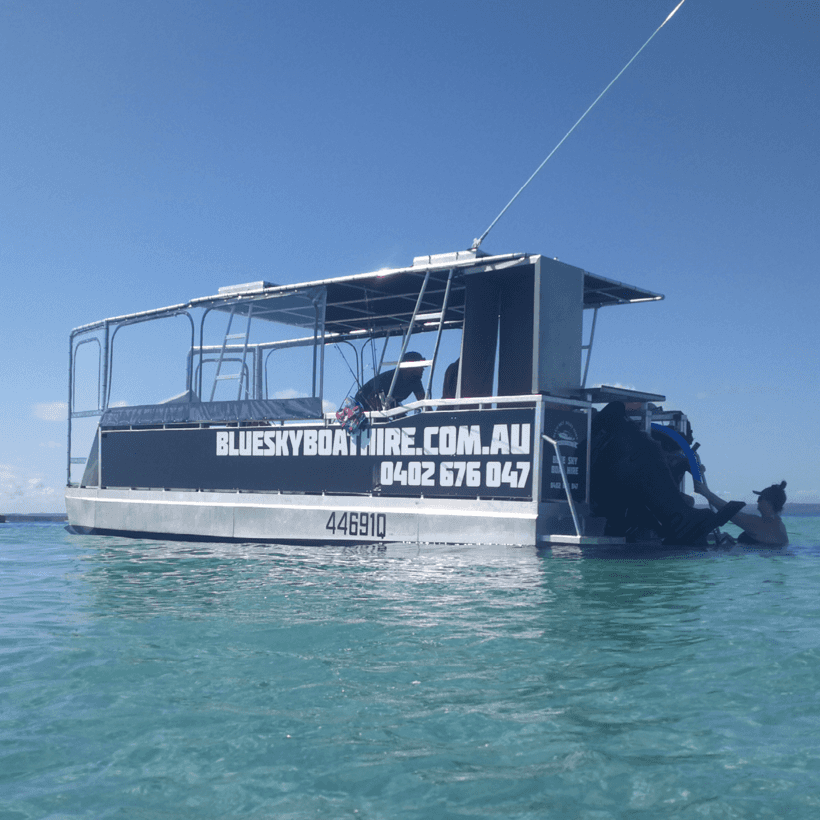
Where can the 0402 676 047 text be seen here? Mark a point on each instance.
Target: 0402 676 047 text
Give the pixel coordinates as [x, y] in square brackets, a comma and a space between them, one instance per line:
[490, 474]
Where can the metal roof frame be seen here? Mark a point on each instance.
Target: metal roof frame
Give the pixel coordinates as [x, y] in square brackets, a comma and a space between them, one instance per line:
[378, 302]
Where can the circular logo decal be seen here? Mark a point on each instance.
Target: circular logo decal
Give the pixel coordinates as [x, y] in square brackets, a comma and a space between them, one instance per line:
[566, 434]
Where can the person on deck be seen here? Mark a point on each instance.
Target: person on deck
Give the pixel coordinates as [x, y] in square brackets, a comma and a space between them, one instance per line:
[449, 387]
[766, 529]
[372, 394]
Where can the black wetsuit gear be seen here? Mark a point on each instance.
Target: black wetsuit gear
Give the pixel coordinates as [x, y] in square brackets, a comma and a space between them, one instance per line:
[409, 381]
[631, 485]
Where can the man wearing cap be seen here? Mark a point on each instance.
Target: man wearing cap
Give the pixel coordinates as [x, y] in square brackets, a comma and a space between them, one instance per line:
[768, 529]
[409, 381]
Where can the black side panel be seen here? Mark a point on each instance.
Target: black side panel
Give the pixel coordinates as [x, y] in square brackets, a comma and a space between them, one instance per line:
[496, 302]
[452, 454]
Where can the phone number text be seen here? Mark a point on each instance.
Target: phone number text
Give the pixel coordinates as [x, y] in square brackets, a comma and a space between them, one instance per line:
[491, 474]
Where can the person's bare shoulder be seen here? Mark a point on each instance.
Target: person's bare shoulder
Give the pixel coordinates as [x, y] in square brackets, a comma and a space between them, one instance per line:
[765, 531]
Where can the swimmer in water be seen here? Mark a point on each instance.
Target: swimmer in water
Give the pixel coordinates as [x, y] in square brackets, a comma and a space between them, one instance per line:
[768, 529]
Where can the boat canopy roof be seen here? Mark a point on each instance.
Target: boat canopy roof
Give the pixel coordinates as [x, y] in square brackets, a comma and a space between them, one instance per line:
[376, 302]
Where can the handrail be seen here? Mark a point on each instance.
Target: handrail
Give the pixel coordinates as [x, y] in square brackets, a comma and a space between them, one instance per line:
[438, 333]
[563, 472]
[424, 404]
[409, 333]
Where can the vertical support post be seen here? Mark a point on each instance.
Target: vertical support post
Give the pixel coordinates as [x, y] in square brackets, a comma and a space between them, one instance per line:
[315, 342]
[409, 332]
[70, 405]
[257, 373]
[588, 347]
[319, 344]
[189, 364]
[438, 333]
[201, 354]
[106, 363]
[99, 456]
[589, 452]
[381, 358]
[322, 367]
[537, 448]
[243, 369]
[189, 370]
[104, 402]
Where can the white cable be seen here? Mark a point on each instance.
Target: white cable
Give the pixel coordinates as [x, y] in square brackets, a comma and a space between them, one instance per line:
[477, 242]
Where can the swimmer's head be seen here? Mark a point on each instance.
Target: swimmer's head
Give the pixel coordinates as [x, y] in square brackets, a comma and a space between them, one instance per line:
[775, 495]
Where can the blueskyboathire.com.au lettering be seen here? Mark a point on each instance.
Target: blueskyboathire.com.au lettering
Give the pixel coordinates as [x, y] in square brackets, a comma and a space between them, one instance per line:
[507, 439]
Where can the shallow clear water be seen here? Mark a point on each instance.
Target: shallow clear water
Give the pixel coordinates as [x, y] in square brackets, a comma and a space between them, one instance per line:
[152, 680]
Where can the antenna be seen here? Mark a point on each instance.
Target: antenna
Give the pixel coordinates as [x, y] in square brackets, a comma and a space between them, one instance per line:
[477, 242]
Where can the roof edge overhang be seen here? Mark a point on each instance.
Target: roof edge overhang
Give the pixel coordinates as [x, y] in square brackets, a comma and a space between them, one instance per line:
[598, 290]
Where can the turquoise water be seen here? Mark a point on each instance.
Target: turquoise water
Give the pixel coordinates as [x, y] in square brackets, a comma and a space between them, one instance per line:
[158, 680]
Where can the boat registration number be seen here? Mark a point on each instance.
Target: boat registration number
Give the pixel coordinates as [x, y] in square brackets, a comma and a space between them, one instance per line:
[361, 524]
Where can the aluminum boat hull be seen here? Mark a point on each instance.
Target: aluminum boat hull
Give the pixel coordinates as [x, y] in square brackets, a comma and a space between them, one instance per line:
[286, 518]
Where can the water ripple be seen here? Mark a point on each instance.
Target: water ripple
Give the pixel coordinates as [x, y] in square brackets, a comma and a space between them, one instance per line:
[166, 680]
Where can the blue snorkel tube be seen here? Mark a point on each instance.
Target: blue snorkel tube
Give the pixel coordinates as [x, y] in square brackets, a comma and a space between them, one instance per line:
[694, 462]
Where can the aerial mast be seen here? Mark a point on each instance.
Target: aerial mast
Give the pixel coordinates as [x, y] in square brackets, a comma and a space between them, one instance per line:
[477, 242]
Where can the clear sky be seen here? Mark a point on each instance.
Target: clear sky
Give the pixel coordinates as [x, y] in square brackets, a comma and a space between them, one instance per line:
[152, 151]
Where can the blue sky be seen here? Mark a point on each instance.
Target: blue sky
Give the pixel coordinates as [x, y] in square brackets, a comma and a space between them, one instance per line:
[151, 152]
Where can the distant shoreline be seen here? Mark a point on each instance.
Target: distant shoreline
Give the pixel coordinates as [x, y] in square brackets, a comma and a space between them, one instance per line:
[17, 518]
[801, 509]
[789, 509]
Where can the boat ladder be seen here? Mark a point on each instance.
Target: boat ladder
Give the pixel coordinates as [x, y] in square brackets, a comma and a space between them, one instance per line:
[242, 376]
